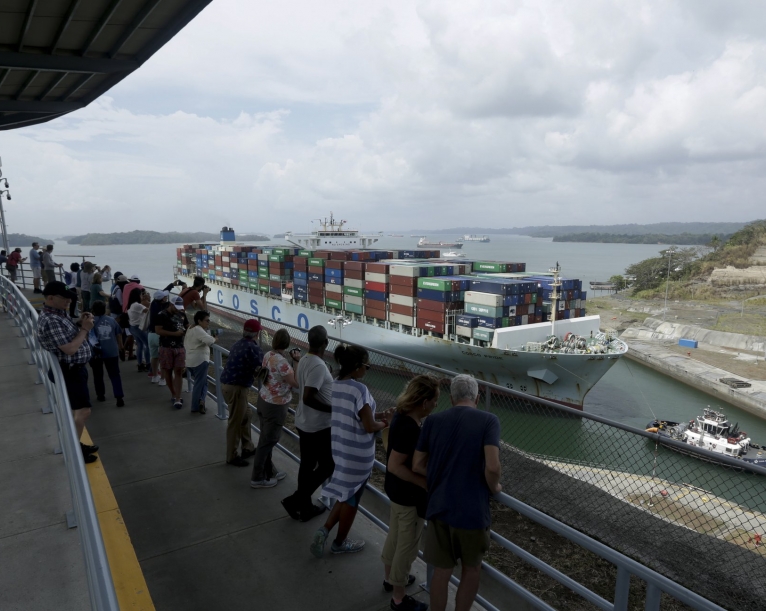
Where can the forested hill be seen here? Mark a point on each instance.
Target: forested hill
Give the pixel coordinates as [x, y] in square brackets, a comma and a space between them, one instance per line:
[647, 238]
[551, 231]
[23, 240]
[155, 237]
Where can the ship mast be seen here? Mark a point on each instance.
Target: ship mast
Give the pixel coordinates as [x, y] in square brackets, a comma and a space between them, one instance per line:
[555, 296]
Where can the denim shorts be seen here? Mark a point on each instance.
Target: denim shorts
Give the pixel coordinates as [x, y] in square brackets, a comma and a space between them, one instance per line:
[154, 346]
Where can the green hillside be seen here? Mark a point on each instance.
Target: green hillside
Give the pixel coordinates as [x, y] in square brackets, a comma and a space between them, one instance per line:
[155, 237]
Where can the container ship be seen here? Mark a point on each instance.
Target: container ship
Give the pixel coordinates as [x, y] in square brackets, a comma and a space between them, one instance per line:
[424, 243]
[522, 330]
[475, 238]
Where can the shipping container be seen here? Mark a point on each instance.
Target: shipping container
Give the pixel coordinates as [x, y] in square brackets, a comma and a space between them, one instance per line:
[401, 319]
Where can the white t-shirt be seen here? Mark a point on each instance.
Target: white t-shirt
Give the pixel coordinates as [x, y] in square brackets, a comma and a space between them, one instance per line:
[135, 314]
[313, 372]
[197, 343]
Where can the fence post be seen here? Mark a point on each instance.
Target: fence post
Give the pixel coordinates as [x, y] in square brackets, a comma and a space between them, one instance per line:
[653, 594]
[622, 589]
[487, 398]
[218, 367]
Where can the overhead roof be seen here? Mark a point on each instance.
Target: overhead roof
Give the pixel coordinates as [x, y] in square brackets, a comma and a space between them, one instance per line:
[57, 56]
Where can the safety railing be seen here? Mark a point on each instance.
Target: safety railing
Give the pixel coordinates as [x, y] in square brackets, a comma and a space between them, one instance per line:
[656, 584]
[83, 514]
[25, 276]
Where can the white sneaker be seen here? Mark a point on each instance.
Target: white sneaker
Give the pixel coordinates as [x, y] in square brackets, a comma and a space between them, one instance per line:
[155, 379]
[280, 475]
[263, 483]
[162, 382]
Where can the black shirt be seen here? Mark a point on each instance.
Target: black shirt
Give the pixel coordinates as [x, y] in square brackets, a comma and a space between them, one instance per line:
[403, 437]
[174, 322]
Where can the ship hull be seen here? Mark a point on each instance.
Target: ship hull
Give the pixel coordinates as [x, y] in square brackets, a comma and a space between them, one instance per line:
[571, 376]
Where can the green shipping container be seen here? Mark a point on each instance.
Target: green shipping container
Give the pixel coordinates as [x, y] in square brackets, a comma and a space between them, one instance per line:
[434, 284]
[281, 251]
[263, 273]
[352, 290]
[253, 285]
[316, 262]
[482, 310]
[333, 303]
[306, 253]
[484, 335]
[489, 266]
[263, 286]
[351, 307]
[277, 258]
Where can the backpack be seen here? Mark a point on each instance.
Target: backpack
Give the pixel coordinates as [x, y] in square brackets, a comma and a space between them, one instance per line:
[115, 307]
[68, 278]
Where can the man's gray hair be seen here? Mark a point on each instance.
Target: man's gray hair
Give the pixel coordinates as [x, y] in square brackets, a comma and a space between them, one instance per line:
[251, 334]
[464, 388]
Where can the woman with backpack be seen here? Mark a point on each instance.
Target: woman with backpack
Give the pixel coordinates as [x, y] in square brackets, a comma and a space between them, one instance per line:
[106, 340]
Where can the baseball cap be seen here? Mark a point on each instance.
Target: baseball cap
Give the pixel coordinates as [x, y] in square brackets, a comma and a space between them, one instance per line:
[58, 289]
[160, 295]
[134, 278]
[252, 326]
[178, 303]
[121, 278]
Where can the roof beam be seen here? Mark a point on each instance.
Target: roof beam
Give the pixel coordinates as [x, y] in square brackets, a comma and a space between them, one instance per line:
[27, 21]
[138, 20]
[53, 84]
[32, 76]
[64, 63]
[64, 25]
[33, 106]
[3, 76]
[189, 12]
[75, 87]
[101, 25]
[21, 119]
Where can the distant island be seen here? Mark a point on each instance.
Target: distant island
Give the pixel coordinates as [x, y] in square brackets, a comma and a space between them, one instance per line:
[155, 237]
[22, 240]
[552, 231]
[646, 238]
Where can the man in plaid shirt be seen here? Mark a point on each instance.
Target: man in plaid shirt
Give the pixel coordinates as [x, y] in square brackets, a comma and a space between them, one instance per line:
[68, 342]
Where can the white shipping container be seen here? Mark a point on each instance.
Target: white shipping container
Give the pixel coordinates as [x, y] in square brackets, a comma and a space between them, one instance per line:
[410, 302]
[353, 300]
[525, 320]
[359, 284]
[530, 308]
[262, 257]
[233, 265]
[487, 299]
[373, 277]
[464, 331]
[410, 271]
[401, 319]
[512, 311]
[334, 288]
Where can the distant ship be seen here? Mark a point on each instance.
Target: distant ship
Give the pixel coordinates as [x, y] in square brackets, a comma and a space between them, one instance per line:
[475, 238]
[395, 235]
[424, 243]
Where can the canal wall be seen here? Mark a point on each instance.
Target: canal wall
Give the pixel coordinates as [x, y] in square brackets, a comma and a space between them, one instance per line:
[701, 376]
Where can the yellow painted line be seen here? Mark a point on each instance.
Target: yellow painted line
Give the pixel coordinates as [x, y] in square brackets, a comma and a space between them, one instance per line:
[129, 583]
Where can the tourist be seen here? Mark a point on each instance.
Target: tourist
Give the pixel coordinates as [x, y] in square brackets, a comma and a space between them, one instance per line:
[70, 278]
[312, 421]
[115, 295]
[236, 379]
[131, 293]
[192, 297]
[138, 317]
[49, 265]
[3, 257]
[106, 274]
[171, 324]
[197, 343]
[458, 450]
[406, 490]
[87, 273]
[106, 354]
[36, 264]
[68, 342]
[159, 303]
[97, 292]
[273, 398]
[353, 449]
[12, 265]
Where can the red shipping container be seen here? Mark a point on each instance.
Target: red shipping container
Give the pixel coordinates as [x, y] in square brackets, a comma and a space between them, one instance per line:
[403, 280]
[300, 268]
[340, 255]
[377, 268]
[315, 269]
[401, 309]
[406, 291]
[437, 326]
[235, 281]
[317, 299]
[277, 268]
[322, 254]
[528, 298]
[381, 287]
[275, 284]
[316, 284]
[357, 266]
[300, 260]
[375, 306]
[428, 305]
[334, 264]
[353, 275]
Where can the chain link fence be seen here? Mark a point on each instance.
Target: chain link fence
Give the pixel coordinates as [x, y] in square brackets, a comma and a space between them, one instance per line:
[696, 520]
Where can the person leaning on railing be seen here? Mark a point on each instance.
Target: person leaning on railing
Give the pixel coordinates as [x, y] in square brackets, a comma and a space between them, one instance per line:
[49, 265]
[197, 344]
[459, 453]
[68, 342]
[36, 263]
[14, 260]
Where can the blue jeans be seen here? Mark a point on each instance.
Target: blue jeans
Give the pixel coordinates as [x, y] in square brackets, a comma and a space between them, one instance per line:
[112, 366]
[198, 376]
[142, 345]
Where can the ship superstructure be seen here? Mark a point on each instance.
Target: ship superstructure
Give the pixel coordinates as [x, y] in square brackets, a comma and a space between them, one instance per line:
[475, 238]
[332, 234]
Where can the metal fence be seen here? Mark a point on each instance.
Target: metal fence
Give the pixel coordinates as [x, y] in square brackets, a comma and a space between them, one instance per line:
[25, 276]
[83, 514]
[693, 521]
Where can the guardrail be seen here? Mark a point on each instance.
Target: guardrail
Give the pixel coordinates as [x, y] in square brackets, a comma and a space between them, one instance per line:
[83, 515]
[656, 583]
[25, 276]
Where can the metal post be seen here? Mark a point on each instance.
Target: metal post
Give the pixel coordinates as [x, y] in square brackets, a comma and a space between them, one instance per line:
[2, 225]
[218, 367]
[622, 589]
[653, 595]
[667, 283]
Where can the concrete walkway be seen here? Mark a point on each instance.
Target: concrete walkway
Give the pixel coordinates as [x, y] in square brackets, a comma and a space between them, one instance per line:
[41, 563]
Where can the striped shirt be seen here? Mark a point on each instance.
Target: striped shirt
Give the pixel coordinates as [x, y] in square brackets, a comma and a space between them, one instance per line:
[353, 448]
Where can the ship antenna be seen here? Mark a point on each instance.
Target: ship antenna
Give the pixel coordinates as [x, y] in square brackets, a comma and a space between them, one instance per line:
[555, 296]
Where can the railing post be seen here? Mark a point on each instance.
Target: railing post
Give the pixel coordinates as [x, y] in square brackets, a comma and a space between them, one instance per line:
[218, 367]
[653, 595]
[487, 398]
[622, 589]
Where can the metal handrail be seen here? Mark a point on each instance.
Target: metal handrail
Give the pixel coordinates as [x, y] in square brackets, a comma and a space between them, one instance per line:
[626, 567]
[103, 596]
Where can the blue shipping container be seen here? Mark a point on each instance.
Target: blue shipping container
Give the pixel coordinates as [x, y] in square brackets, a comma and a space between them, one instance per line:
[333, 273]
[467, 320]
[316, 277]
[331, 280]
[376, 295]
[440, 296]
[687, 343]
[302, 275]
[487, 322]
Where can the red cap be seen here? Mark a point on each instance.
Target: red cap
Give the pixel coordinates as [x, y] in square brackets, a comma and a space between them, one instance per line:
[252, 326]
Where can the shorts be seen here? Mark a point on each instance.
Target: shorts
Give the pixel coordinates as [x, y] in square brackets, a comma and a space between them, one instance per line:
[76, 381]
[354, 500]
[446, 545]
[37, 273]
[154, 346]
[172, 358]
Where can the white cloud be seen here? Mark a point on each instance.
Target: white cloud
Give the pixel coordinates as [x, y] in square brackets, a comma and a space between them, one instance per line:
[399, 115]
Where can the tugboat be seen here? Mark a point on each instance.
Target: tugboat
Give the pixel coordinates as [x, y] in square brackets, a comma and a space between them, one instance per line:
[712, 431]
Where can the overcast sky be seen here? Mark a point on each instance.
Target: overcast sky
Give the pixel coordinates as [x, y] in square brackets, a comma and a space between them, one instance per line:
[398, 115]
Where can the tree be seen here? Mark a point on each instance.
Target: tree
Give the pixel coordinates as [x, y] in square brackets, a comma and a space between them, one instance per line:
[619, 282]
[715, 243]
